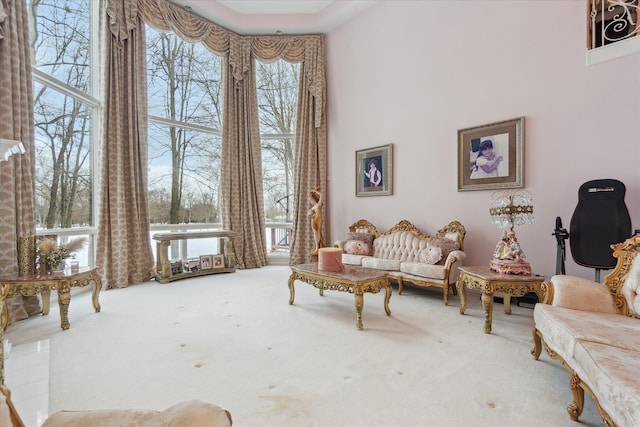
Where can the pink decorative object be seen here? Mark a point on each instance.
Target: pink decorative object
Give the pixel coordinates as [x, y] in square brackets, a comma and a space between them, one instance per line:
[330, 259]
[431, 255]
[357, 247]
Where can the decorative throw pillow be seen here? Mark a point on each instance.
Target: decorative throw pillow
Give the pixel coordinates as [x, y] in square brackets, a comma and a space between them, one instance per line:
[362, 237]
[430, 255]
[446, 245]
[357, 247]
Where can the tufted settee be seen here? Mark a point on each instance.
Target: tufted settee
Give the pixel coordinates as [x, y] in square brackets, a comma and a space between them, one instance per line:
[409, 255]
[593, 329]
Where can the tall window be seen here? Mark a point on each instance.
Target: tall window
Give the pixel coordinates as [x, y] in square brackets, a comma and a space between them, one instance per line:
[65, 110]
[277, 85]
[185, 118]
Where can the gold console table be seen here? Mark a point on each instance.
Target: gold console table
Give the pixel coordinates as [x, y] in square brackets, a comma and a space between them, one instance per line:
[163, 263]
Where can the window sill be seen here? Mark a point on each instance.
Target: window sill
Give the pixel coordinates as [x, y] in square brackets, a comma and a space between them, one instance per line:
[614, 50]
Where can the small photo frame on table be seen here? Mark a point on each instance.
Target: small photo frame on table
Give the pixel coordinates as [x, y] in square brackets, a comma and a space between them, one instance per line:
[217, 261]
[206, 262]
[491, 157]
[193, 265]
[374, 171]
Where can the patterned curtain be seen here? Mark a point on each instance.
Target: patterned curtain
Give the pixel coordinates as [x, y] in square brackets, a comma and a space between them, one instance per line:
[123, 248]
[17, 172]
[243, 207]
[311, 149]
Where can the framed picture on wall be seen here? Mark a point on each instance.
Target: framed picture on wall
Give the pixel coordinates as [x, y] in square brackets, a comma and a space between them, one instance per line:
[491, 156]
[374, 171]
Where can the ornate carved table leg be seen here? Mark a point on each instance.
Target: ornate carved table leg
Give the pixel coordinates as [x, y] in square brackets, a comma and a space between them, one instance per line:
[359, 304]
[46, 297]
[463, 295]
[487, 305]
[387, 296]
[507, 303]
[97, 286]
[292, 292]
[64, 298]
[4, 314]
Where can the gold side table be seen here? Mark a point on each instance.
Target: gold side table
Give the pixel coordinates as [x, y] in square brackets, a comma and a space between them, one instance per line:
[34, 284]
[489, 282]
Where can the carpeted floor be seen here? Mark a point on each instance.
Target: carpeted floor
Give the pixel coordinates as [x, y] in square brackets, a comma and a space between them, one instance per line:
[233, 340]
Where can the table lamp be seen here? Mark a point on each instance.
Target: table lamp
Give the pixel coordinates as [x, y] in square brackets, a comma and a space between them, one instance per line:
[510, 209]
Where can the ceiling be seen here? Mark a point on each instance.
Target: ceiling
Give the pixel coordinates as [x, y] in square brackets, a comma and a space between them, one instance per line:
[277, 16]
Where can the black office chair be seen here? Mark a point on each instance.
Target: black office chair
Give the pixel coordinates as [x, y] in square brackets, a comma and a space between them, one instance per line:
[600, 219]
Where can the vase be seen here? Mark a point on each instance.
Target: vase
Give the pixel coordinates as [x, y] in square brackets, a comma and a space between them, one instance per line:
[58, 268]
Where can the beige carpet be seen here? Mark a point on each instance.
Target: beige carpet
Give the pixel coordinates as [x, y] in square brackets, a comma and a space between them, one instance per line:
[233, 340]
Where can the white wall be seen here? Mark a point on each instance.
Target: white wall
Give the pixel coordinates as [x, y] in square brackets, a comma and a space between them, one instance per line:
[413, 73]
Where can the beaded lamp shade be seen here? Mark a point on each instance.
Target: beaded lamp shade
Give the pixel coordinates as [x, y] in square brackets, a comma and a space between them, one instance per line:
[510, 209]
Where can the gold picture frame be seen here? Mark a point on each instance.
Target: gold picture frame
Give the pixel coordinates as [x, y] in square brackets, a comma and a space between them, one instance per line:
[206, 262]
[374, 171]
[217, 261]
[502, 166]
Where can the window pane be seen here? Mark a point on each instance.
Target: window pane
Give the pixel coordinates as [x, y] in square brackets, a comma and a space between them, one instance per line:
[196, 175]
[63, 160]
[184, 80]
[61, 40]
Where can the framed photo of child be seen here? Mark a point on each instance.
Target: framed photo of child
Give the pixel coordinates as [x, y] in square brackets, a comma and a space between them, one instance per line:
[218, 261]
[206, 262]
[491, 157]
[374, 171]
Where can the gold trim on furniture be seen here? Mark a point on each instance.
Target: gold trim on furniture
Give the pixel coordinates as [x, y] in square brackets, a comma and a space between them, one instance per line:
[489, 282]
[163, 263]
[354, 280]
[625, 252]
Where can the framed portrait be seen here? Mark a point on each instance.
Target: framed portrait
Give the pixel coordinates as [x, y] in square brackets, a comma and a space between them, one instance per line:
[491, 157]
[217, 261]
[206, 262]
[374, 171]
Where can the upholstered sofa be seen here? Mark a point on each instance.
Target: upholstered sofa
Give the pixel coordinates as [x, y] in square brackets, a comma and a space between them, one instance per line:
[408, 254]
[593, 329]
[189, 413]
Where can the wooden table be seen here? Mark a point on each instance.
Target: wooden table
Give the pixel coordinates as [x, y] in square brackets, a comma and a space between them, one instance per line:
[489, 282]
[354, 280]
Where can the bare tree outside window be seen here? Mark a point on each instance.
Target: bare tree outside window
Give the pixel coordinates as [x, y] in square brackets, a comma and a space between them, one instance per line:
[60, 45]
[185, 108]
[277, 102]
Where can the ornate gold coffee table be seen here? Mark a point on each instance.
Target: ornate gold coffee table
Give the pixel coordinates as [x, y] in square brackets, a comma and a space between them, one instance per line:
[354, 280]
[488, 281]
